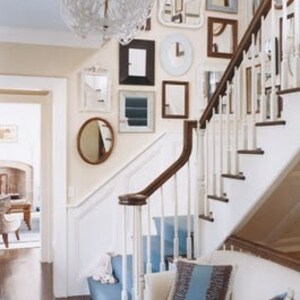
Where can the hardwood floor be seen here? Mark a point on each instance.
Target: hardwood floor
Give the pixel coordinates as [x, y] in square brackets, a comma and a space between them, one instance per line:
[23, 277]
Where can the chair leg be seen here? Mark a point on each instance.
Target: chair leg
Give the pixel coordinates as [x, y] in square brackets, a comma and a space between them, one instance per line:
[17, 234]
[5, 239]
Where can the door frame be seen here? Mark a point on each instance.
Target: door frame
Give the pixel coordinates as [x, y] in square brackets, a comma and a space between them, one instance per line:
[55, 207]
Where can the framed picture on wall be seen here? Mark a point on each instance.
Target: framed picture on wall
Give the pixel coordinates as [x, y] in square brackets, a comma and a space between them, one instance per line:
[136, 63]
[136, 111]
[8, 133]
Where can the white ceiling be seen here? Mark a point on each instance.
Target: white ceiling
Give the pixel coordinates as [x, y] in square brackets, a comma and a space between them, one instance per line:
[38, 22]
[37, 14]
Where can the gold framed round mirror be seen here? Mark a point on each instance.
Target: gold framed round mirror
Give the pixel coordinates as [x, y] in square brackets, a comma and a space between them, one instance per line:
[95, 140]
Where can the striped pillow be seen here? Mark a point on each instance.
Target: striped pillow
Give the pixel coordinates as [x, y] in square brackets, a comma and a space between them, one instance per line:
[201, 282]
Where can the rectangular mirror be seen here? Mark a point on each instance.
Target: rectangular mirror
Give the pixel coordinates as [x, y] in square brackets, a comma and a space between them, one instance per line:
[136, 63]
[228, 6]
[95, 91]
[222, 37]
[175, 99]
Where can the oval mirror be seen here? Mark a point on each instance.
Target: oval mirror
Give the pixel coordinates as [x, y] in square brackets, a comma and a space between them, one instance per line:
[95, 140]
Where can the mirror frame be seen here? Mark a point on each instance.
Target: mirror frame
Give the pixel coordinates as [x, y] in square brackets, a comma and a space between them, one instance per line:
[232, 8]
[210, 36]
[165, 103]
[175, 13]
[124, 77]
[107, 154]
[103, 104]
[165, 60]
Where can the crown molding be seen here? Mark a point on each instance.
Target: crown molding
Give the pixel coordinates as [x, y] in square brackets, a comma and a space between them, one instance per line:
[47, 38]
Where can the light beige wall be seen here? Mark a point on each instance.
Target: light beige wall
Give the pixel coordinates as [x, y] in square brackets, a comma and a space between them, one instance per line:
[55, 61]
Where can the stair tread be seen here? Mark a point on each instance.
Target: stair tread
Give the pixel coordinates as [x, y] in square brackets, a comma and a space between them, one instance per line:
[258, 151]
[206, 218]
[270, 123]
[218, 198]
[232, 176]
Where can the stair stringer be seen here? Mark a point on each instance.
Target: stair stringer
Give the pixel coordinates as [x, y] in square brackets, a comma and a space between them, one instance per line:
[263, 174]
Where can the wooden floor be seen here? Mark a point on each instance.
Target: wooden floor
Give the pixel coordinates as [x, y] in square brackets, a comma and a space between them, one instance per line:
[23, 277]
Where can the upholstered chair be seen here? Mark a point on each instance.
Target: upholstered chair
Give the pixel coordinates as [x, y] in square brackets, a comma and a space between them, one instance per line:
[8, 223]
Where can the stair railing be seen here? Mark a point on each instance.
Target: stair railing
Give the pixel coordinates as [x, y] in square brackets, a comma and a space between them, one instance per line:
[138, 201]
[245, 98]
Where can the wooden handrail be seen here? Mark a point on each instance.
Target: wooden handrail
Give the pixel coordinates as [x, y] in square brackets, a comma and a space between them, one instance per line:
[264, 252]
[140, 197]
[236, 60]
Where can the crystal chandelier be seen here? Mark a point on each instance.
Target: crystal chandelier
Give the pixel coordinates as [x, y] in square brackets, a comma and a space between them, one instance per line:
[122, 19]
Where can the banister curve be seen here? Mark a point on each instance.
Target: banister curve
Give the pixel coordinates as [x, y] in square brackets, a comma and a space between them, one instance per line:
[140, 198]
[236, 60]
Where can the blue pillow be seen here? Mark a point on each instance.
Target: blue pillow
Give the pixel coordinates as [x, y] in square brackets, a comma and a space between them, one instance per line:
[280, 297]
[200, 282]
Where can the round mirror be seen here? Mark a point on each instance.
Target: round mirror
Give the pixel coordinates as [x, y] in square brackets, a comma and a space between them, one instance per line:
[176, 54]
[95, 141]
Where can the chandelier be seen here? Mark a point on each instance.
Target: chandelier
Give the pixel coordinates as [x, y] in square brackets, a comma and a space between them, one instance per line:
[122, 19]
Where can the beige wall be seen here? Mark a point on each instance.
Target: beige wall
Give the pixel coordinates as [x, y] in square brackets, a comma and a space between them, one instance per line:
[68, 62]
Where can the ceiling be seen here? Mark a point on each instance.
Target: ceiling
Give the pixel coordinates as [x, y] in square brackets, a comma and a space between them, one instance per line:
[38, 22]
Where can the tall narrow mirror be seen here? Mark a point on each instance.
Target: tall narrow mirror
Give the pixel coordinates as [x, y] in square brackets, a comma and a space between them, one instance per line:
[175, 96]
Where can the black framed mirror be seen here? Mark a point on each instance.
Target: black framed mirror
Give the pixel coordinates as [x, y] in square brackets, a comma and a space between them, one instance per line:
[95, 140]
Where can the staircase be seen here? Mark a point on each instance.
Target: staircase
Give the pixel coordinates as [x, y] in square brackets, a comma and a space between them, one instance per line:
[246, 144]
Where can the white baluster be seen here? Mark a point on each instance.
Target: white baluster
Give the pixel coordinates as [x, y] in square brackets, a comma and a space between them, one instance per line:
[206, 200]
[236, 97]
[263, 98]
[297, 43]
[244, 106]
[221, 190]
[285, 50]
[162, 265]
[124, 256]
[253, 93]
[149, 264]
[273, 97]
[228, 164]
[200, 192]
[176, 239]
[189, 218]
[213, 160]
[135, 259]
[139, 252]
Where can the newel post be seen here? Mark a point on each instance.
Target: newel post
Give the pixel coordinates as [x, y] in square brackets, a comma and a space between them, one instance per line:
[136, 201]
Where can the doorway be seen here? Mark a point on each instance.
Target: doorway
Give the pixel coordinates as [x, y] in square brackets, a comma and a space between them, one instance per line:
[53, 191]
[20, 169]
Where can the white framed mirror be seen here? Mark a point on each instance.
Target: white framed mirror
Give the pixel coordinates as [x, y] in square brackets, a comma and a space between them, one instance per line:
[176, 54]
[181, 13]
[95, 90]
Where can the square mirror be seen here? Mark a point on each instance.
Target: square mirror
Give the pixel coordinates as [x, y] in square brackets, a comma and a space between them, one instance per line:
[136, 111]
[222, 37]
[175, 99]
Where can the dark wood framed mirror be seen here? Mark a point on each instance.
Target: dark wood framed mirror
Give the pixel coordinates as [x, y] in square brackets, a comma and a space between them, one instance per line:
[136, 63]
[175, 99]
[95, 140]
[222, 37]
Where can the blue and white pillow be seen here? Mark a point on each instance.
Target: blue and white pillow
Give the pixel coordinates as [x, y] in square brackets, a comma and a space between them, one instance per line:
[201, 282]
[284, 296]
